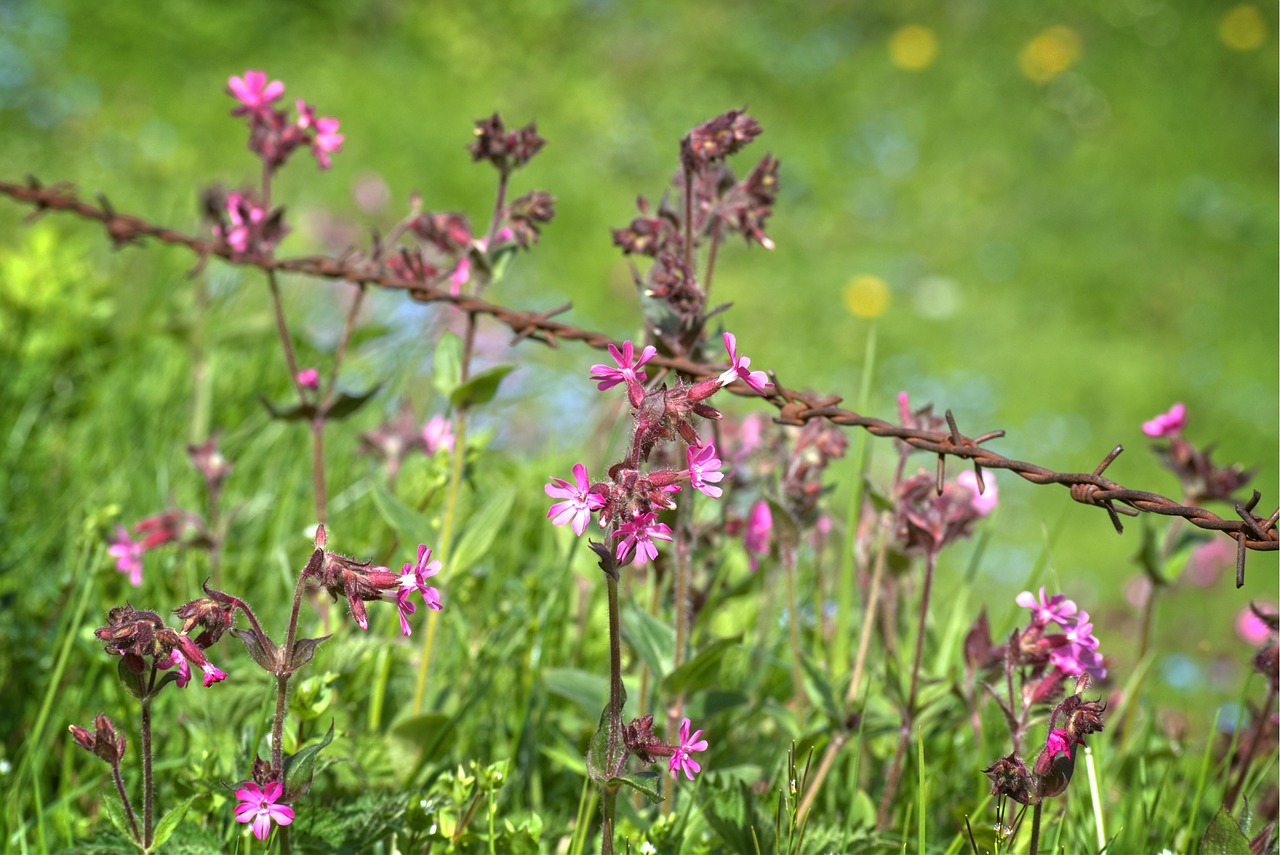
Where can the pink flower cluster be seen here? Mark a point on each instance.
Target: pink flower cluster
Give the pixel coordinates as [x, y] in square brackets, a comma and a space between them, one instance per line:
[360, 582]
[1072, 652]
[272, 134]
[631, 499]
[155, 531]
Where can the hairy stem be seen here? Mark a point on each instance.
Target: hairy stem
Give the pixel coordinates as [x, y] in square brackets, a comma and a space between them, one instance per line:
[148, 779]
[124, 799]
[909, 713]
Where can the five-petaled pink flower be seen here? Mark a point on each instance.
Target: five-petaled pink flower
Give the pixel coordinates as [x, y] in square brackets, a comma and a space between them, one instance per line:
[253, 91]
[258, 805]
[413, 577]
[639, 534]
[681, 759]
[578, 503]
[1056, 609]
[628, 370]
[1167, 423]
[128, 555]
[704, 466]
[757, 380]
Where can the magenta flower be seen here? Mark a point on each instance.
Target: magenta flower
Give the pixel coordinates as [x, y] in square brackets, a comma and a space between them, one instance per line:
[757, 380]
[755, 538]
[681, 759]
[258, 805]
[985, 502]
[175, 657]
[244, 215]
[212, 674]
[579, 502]
[413, 577]
[253, 92]
[437, 434]
[704, 467]
[1057, 609]
[192, 653]
[1059, 742]
[639, 534]
[1167, 423]
[628, 371]
[406, 608]
[308, 378]
[1075, 659]
[326, 141]
[1081, 632]
[128, 555]
[1252, 629]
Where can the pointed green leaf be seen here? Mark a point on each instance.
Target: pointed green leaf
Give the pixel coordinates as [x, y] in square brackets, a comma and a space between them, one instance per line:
[702, 671]
[346, 404]
[299, 768]
[588, 689]
[446, 369]
[427, 732]
[1224, 837]
[481, 388]
[169, 822]
[644, 782]
[265, 659]
[607, 749]
[114, 809]
[482, 528]
[304, 649]
[409, 525]
[653, 639]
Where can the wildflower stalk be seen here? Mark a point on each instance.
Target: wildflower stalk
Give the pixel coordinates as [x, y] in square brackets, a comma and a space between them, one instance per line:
[682, 572]
[909, 713]
[617, 697]
[855, 683]
[148, 779]
[1034, 845]
[124, 800]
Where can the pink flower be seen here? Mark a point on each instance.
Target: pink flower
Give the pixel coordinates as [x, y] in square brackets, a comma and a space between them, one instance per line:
[579, 500]
[704, 467]
[258, 805]
[757, 380]
[175, 657]
[1058, 743]
[406, 608]
[681, 759]
[414, 577]
[1056, 609]
[128, 555]
[461, 275]
[327, 140]
[437, 434]
[639, 534]
[190, 651]
[212, 674]
[1167, 423]
[244, 215]
[755, 538]
[985, 502]
[253, 92]
[628, 371]
[1081, 632]
[1251, 629]
[308, 378]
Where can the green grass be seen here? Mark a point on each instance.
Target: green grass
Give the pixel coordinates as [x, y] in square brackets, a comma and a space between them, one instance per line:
[1060, 277]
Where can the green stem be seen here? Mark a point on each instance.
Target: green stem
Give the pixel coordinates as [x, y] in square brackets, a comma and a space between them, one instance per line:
[793, 625]
[1035, 829]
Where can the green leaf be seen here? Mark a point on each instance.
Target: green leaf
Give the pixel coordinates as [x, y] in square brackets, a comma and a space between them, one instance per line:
[652, 639]
[704, 670]
[346, 404]
[169, 822]
[265, 659]
[607, 749]
[587, 689]
[643, 782]
[446, 369]
[482, 528]
[819, 690]
[304, 649]
[299, 768]
[115, 812]
[426, 732]
[1224, 837]
[409, 525]
[481, 388]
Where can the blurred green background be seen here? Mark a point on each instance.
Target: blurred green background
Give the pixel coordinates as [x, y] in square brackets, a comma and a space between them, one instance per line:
[1059, 218]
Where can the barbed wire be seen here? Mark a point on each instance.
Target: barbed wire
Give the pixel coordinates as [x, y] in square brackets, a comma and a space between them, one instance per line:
[1250, 531]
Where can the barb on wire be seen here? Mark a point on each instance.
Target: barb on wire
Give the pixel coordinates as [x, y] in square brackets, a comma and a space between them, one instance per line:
[1250, 531]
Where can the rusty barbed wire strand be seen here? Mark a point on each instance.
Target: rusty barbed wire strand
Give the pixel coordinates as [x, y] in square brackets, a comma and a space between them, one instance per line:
[1250, 531]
